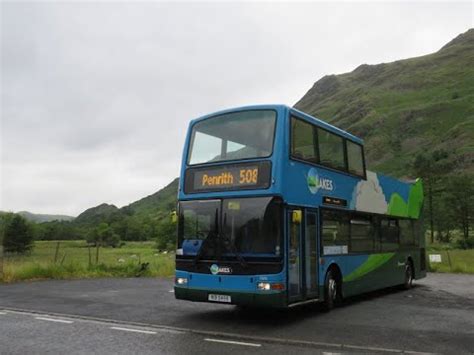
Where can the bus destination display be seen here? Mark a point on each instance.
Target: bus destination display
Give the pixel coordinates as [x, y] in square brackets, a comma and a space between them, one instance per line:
[229, 177]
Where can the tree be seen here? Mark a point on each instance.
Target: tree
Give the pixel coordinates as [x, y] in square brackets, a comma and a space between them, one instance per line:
[460, 202]
[166, 235]
[431, 168]
[134, 230]
[17, 235]
[103, 235]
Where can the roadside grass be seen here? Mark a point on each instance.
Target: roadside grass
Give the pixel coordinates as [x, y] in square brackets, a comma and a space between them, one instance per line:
[456, 260]
[71, 260]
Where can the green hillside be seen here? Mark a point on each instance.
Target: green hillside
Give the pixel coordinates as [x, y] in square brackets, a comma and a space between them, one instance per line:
[161, 202]
[97, 214]
[405, 107]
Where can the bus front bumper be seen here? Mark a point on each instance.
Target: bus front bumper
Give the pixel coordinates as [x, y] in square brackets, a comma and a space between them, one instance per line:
[258, 299]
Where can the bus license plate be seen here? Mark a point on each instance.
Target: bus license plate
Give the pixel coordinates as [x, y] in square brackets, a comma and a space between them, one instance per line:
[219, 298]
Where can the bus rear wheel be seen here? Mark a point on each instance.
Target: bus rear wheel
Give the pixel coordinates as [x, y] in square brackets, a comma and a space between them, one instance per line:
[408, 276]
[331, 290]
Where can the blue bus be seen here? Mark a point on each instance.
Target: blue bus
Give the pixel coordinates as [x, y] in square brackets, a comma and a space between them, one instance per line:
[276, 209]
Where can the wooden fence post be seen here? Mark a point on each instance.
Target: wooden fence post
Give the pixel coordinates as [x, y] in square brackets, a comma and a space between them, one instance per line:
[56, 253]
[90, 256]
[449, 260]
[97, 254]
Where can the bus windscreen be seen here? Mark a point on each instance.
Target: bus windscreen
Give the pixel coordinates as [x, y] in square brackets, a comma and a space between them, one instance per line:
[233, 136]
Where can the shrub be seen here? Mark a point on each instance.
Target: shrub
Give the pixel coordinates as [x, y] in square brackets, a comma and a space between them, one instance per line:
[17, 235]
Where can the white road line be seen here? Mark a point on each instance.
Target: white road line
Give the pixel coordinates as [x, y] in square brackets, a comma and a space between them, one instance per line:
[171, 291]
[3, 313]
[232, 342]
[55, 320]
[133, 330]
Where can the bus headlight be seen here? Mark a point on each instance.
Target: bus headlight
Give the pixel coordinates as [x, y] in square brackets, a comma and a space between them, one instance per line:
[264, 286]
[181, 281]
[267, 286]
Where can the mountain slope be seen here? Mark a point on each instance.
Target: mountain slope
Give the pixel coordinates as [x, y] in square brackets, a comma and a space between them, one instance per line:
[161, 202]
[97, 214]
[406, 107]
[156, 206]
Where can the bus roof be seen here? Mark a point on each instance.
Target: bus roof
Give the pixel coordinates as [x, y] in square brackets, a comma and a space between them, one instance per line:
[316, 121]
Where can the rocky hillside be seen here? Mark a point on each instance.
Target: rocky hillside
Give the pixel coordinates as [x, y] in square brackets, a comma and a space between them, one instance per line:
[406, 107]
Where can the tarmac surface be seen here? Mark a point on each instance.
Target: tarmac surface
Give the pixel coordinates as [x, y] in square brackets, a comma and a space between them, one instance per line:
[141, 315]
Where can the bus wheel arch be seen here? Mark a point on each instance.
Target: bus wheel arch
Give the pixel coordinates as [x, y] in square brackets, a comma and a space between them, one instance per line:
[332, 287]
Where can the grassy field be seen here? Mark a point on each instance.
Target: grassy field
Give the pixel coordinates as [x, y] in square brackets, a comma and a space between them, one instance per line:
[459, 261]
[72, 261]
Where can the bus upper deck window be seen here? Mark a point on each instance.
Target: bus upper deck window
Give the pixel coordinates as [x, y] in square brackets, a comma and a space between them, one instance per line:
[355, 160]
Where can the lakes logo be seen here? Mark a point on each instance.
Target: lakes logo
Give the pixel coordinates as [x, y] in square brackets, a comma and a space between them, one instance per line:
[315, 182]
[215, 269]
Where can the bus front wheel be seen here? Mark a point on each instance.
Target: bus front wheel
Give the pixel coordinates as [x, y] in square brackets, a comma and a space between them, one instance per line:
[331, 290]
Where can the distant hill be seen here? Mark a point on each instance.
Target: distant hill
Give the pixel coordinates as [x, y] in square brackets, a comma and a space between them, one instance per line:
[161, 202]
[156, 206]
[97, 214]
[40, 218]
[406, 107]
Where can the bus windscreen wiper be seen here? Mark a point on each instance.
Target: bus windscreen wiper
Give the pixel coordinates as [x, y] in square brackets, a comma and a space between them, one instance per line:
[233, 248]
[211, 238]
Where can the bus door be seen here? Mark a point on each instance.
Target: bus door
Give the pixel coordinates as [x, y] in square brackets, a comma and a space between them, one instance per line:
[311, 249]
[302, 255]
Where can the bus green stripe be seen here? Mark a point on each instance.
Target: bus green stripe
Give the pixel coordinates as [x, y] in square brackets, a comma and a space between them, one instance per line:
[372, 263]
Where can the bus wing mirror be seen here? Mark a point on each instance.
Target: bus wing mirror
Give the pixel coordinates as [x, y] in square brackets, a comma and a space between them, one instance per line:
[296, 217]
[174, 217]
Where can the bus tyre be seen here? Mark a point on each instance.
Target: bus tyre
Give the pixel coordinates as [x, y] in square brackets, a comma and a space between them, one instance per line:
[331, 290]
[408, 276]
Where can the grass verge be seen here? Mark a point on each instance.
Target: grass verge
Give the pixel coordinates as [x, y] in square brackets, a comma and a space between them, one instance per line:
[456, 261]
[73, 259]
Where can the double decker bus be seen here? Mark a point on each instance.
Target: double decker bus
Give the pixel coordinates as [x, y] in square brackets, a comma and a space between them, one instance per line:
[276, 209]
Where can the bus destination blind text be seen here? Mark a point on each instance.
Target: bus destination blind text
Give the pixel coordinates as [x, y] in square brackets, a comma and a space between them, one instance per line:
[233, 177]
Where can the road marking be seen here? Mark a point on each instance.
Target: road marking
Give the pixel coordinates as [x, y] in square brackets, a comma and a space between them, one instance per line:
[180, 330]
[55, 320]
[133, 330]
[231, 342]
[171, 291]
[370, 348]
[3, 313]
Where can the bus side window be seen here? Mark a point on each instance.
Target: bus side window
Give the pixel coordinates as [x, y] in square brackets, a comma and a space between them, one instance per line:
[355, 158]
[303, 145]
[407, 233]
[389, 233]
[331, 150]
[335, 232]
[362, 234]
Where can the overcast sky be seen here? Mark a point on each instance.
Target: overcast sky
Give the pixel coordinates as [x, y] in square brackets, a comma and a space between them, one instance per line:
[96, 97]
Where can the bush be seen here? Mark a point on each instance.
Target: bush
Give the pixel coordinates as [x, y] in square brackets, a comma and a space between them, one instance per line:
[465, 243]
[103, 235]
[17, 235]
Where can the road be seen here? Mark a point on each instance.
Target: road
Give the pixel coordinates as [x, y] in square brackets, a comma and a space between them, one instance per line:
[141, 316]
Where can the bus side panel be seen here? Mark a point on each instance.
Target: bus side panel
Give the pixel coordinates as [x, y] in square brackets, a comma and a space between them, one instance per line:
[365, 273]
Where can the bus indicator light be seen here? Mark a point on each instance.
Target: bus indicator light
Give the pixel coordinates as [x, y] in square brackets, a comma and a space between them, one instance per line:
[278, 286]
